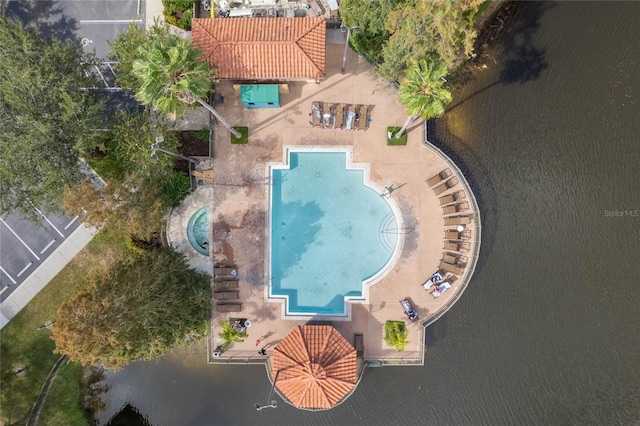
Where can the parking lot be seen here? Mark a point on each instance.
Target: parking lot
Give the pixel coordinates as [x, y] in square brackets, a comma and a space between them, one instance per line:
[92, 21]
[25, 245]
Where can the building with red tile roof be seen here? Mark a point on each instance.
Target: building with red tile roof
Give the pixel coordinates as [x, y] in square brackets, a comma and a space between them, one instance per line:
[315, 367]
[263, 48]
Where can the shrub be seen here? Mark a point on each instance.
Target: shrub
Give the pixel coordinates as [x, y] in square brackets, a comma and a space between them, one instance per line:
[175, 188]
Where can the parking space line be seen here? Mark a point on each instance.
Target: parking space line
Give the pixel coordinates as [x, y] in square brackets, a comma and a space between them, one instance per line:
[2, 291]
[48, 245]
[24, 269]
[7, 274]
[70, 223]
[49, 222]
[16, 235]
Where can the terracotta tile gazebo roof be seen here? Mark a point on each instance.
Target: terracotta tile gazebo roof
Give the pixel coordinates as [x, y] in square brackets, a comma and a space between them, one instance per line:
[317, 367]
[263, 48]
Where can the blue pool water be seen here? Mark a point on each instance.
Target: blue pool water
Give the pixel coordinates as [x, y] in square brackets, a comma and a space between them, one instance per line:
[330, 233]
[198, 231]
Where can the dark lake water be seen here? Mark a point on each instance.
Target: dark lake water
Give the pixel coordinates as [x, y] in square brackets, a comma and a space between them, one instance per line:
[548, 331]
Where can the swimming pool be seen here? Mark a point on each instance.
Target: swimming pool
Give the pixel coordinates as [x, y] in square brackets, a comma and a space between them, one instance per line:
[332, 233]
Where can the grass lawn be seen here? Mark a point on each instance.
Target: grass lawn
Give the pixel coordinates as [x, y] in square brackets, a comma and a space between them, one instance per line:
[23, 344]
[393, 131]
[66, 391]
[244, 136]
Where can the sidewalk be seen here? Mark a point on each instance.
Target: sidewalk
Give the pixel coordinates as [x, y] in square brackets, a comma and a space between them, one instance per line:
[45, 273]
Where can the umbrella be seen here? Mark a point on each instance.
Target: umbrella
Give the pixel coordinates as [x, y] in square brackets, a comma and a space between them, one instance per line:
[315, 367]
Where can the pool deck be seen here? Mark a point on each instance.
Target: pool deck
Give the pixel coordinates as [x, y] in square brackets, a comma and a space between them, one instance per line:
[239, 213]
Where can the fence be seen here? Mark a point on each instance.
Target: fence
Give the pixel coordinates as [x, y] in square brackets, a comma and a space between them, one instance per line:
[475, 251]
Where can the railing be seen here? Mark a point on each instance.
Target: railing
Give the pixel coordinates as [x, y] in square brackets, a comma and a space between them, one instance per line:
[474, 253]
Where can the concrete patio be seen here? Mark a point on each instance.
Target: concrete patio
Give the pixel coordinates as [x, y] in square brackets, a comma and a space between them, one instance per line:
[239, 208]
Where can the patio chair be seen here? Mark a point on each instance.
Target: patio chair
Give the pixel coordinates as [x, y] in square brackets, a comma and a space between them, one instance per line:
[433, 279]
[225, 271]
[449, 209]
[409, 310]
[449, 259]
[351, 117]
[224, 278]
[228, 307]
[447, 199]
[439, 177]
[451, 235]
[440, 288]
[339, 120]
[451, 246]
[445, 186]
[225, 285]
[362, 120]
[316, 114]
[226, 295]
[454, 269]
[456, 220]
[455, 208]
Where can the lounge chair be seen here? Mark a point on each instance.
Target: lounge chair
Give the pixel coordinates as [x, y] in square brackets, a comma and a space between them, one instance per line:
[451, 246]
[225, 271]
[316, 114]
[358, 344]
[362, 120]
[226, 295]
[220, 278]
[455, 208]
[440, 288]
[448, 258]
[451, 235]
[433, 279]
[225, 285]
[445, 186]
[456, 220]
[229, 307]
[339, 121]
[351, 117]
[447, 199]
[439, 177]
[328, 116]
[454, 269]
[409, 310]
[449, 209]
[368, 116]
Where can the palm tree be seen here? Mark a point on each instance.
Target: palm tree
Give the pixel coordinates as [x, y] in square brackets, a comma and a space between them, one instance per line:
[423, 92]
[395, 334]
[230, 334]
[172, 76]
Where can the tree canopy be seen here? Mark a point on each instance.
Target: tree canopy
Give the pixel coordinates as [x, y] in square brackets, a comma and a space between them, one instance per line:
[138, 310]
[124, 50]
[397, 32]
[171, 75]
[46, 117]
[423, 91]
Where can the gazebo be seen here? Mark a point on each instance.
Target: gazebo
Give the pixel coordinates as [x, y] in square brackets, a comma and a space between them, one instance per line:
[314, 367]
